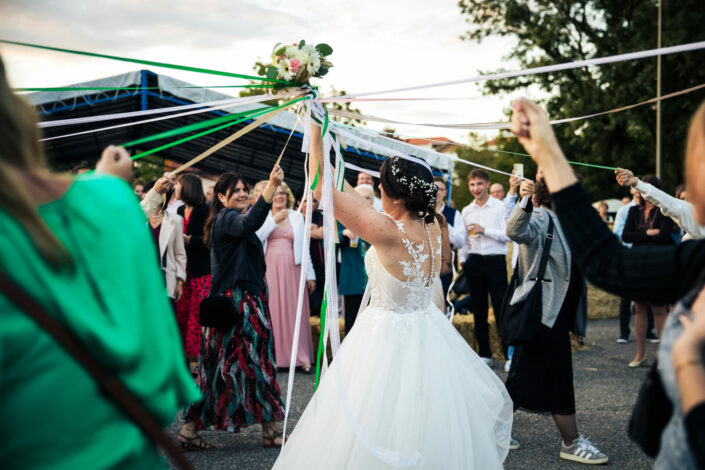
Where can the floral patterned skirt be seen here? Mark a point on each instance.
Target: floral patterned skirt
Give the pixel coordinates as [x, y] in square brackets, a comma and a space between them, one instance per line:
[195, 290]
[237, 373]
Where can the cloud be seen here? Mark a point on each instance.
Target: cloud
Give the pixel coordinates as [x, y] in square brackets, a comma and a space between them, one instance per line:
[377, 45]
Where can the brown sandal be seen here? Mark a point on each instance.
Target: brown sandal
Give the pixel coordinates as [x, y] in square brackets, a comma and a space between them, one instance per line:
[272, 437]
[194, 443]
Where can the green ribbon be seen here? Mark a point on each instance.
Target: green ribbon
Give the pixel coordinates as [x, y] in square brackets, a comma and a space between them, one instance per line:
[594, 166]
[148, 62]
[321, 346]
[129, 88]
[325, 124]
[315, 181]
[209, 131]
[192, 127]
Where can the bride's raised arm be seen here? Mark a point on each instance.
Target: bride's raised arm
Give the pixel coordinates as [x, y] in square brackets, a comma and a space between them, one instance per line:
[350, 208]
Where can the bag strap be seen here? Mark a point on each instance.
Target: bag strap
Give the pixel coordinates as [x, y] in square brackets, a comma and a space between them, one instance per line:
[109, 384]
[546, 251]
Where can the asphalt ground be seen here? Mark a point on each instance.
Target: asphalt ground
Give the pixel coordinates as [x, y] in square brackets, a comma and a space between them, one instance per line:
[605, 390]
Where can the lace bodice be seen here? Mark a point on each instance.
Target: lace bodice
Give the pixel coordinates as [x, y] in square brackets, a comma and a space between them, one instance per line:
[410, 295]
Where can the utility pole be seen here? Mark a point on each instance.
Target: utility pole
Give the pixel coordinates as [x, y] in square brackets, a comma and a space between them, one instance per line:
[659, 164]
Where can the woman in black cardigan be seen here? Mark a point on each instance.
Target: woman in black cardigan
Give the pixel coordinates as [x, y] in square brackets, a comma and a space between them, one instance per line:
[647, 226]
[189, 189]
[237, 373]
[659, 274]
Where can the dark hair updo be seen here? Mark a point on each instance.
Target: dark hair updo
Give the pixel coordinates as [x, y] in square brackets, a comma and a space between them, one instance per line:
[412, 182]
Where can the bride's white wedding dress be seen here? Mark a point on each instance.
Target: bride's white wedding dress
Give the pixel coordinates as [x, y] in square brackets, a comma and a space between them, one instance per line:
[405, 389]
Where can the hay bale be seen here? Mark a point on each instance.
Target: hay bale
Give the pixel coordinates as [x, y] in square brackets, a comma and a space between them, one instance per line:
[601, 304]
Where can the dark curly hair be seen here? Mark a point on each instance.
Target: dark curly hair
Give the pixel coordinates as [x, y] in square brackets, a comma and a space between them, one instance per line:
[542, 196]
[412, 182]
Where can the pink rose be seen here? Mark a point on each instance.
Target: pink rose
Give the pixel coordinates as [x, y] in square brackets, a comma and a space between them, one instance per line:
[295, 65]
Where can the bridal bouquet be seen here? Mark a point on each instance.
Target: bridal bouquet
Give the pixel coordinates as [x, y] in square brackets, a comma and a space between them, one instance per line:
[298, 63]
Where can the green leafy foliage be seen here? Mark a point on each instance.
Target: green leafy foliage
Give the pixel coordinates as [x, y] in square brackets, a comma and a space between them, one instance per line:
[324, 49]
[149, 168]
[556, 31]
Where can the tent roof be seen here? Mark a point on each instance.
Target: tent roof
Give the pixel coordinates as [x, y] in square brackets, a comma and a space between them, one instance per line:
[252, 155]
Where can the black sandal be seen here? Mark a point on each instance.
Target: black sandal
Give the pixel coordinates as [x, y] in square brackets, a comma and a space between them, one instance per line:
[194, 443]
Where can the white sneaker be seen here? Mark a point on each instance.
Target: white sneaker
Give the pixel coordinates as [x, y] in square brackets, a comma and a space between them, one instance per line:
[507, 365]
[513, 444]
[487, 360]
[583, 451]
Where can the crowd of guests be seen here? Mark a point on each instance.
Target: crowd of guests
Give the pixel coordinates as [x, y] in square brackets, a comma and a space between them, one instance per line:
[86, 237]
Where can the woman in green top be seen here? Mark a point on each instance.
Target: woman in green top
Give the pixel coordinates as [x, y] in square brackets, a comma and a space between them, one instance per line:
[81, 248]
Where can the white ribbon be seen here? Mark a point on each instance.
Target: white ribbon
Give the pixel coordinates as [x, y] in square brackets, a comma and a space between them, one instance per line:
[146, 112]
[545, 69]
[364, 170]
[243, 101]
[354, 137]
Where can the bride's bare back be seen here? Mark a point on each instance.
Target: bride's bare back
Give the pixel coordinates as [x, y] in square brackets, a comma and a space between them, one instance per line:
[381, 229]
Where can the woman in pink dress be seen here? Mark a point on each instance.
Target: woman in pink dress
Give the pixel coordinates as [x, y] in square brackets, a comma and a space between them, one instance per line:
[282, 236]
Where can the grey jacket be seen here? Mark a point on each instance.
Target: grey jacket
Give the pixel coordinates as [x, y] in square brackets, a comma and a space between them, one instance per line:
[674, 452]
[529, 229]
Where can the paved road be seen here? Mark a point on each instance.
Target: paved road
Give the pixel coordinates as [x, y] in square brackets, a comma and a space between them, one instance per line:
[605, 393]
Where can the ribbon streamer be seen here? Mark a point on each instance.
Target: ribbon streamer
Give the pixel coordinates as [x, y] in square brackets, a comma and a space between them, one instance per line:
[148, 62]
[126, 88]
[364, 170]
[235, 136]
[250, 99]
[130, 114]
[499, 125]
[194, 127]
[546, 69]
[209, 131]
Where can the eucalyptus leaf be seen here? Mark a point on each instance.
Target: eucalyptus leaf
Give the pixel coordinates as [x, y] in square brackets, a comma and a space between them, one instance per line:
[280, 51]
[324, 49]
[272, 72]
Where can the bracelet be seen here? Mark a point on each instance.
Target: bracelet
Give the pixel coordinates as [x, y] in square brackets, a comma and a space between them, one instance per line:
[694, 361]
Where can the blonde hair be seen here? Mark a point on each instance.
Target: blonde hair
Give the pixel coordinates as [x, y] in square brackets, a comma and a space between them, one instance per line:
[262, 183]
[20, 151]
[366, 188]
[290, 200]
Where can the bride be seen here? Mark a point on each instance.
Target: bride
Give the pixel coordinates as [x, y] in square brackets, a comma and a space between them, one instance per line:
[405, 389]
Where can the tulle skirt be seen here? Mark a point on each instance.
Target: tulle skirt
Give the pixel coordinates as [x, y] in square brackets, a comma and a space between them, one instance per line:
[403, 390]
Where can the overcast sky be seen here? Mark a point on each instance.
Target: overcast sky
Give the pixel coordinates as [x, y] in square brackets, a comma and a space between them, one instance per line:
[378, 45]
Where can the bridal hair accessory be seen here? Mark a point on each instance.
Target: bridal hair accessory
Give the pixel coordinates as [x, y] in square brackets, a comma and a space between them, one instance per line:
[414, 183]
[298, 63]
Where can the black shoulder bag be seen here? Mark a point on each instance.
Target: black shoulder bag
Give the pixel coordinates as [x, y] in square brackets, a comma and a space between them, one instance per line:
[521, 322]
[108, 383]
[217, 311]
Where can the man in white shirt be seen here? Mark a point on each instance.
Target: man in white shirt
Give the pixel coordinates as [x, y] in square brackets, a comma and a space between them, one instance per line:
[456, 226]
[485, 266]
[366, 178]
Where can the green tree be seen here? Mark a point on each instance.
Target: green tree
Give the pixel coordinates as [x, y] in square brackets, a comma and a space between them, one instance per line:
[149, 168]
[556, 31]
